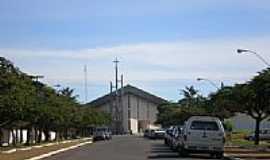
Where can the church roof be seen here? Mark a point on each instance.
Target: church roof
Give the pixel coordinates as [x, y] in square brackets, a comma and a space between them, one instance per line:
[128, 89]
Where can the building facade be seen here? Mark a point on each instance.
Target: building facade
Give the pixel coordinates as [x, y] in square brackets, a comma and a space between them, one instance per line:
[132, 109]
[244, 122]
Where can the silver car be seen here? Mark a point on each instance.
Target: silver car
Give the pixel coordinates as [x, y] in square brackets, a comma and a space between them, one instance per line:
[102, 133]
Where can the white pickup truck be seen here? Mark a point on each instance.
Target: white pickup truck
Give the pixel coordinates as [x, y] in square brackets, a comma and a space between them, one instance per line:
[202, 134]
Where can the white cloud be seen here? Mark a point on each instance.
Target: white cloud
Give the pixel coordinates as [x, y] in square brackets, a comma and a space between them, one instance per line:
[215, 59]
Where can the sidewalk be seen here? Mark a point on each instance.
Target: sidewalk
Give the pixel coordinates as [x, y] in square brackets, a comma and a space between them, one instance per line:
[249, 154]
[42, 151]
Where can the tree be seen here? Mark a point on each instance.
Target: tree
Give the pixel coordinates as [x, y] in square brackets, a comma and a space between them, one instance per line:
[251, 98]
[28, 104]
[219, 103]
[16, 97]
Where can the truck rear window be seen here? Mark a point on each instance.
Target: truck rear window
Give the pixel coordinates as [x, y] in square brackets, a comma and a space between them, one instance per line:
[204, 125]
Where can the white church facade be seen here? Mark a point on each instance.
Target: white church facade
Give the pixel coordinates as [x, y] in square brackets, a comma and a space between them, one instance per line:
[136, 109]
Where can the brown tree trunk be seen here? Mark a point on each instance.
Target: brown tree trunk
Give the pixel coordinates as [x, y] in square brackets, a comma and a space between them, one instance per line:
[13, 138]
[66, 133]
[39, 136]
[17, 135]
[47, 135]
[21, 135]
[57, 135]
[257, 131]
[36, 134]
[28, 136]
[1, 136]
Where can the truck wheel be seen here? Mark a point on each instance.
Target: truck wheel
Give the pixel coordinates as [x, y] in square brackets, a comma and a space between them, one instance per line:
[182, 152]
[220, 155]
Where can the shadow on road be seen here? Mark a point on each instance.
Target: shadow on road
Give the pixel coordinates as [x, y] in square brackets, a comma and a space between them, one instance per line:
[163, 152]
[160, 151]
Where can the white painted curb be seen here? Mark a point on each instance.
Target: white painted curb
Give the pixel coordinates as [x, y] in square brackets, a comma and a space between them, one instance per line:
[230, 157]
[24, 149]
[9, 151]
[58, 151]
[39, 146]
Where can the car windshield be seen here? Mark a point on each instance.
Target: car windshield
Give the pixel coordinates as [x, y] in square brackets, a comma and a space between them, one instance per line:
[204, 125]
[101, 130]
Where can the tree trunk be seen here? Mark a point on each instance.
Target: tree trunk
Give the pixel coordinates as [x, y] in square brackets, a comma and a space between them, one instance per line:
[36, 134]
[57, 135]
[66, 133]
[47, 135]
[13, 137]
[257, 131]
[39, 136]
[28, 136]
[61, 134]
[17, 135]
[21, 135]
[1, 136]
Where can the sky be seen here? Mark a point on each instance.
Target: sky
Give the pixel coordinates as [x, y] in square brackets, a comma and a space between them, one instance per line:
[162, 45]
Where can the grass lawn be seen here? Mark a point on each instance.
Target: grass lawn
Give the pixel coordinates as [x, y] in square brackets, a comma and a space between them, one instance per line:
[246, 143]
[21, 155]
[237, 139]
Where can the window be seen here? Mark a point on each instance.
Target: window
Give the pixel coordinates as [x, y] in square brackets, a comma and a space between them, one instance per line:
[204, 125]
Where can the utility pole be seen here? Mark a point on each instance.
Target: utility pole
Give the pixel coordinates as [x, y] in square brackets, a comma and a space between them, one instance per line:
[116, 111]
[116, 73]
[117, 106]
[85, 83]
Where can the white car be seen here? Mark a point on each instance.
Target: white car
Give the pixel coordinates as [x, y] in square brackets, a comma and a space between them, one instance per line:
[203, 134]
[102, 133]
[177, 132]
[157, 134]
[167, 136]
[264, 135]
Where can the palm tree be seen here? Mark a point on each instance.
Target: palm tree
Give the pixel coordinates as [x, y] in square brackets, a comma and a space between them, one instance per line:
[67, 92]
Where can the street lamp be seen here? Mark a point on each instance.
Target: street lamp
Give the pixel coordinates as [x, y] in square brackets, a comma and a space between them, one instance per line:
[208, 80]
[240, 51]
[57, 85]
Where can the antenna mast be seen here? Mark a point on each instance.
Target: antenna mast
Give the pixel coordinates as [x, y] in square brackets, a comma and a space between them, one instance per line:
[85, 83]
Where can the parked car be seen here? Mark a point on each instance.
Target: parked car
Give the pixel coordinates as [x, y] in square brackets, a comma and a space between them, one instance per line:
[176, 137]
[171, 136]
[146, 133]
[167, 136]
[102, 133]
[264, 135]
[203, 134]
[156, 133]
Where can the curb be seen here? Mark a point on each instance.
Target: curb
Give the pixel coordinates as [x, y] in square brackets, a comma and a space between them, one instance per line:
[228, 157]
[58, 151]
[9, 151]
[43, 145]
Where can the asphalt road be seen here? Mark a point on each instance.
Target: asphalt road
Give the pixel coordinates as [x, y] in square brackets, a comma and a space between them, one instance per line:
[124, 148]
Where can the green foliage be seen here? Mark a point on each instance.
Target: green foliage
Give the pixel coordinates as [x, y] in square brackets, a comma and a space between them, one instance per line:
[176, 114]
[26, 103]
[251, 98]
[228, 125]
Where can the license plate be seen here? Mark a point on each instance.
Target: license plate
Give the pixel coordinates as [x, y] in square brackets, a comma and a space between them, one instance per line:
[203, 148]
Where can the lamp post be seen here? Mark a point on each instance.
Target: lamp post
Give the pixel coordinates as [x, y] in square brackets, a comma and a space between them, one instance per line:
[240, 51]
[208, 80]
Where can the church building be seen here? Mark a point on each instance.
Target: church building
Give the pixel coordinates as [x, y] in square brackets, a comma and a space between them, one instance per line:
[132, 109]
